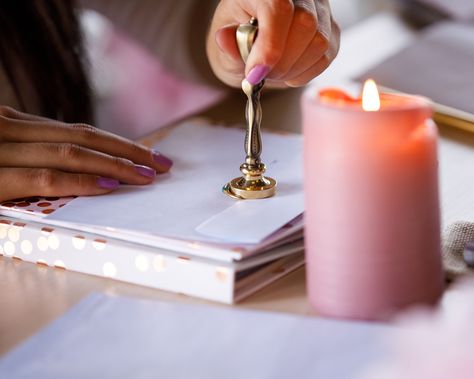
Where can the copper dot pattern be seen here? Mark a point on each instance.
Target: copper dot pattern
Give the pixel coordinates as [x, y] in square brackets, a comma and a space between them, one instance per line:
[37, 205]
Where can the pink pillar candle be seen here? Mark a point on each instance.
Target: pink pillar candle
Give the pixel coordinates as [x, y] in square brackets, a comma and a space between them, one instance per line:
[372, 209]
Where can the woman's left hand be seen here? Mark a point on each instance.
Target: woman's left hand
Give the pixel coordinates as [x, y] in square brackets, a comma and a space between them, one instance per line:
[297, 40]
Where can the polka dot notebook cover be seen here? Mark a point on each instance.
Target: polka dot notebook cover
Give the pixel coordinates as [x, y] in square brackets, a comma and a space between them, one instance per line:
[36, 206]
[31, 229]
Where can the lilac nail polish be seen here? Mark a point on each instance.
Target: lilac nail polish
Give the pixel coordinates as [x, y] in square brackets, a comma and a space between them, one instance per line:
[108, 183]
[258, 73]
[145, 171]
[164, 162]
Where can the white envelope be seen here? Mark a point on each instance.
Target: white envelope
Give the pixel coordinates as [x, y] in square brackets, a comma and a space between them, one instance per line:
[123, 338]
[188, 204]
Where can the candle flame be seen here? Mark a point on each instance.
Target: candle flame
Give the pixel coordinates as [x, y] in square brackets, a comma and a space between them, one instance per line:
[370, 97]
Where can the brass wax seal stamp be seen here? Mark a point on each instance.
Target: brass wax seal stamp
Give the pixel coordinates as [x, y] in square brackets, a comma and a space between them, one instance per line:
[252, 185]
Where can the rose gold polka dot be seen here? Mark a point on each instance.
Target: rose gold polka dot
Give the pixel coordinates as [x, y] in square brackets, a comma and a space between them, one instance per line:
[51, 198]
[23, 204]
[47, 211]
[43, 204]
[222, 274]
[5, 222]
[79, 242]
[20, 224]
[47, 230]
[32, 199]
[59, 264]
[99, 244]
[8, 205]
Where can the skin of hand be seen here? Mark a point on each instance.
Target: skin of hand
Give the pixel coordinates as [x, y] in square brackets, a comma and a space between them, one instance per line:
[296, 41]
[42, 157]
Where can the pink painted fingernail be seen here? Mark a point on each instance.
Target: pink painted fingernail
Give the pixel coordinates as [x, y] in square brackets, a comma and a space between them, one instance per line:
[258, 73]
[108, 183]
[145, 171]
[164, 162]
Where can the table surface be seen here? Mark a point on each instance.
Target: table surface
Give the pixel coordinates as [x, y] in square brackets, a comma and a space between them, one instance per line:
[31, 296]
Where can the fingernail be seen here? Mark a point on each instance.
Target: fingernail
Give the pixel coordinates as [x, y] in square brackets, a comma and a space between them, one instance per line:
[145, 171]
[258, 73]
[108, 183]
[164, 162]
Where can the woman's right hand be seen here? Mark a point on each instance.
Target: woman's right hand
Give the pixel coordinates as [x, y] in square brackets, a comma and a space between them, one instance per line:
[43, 157]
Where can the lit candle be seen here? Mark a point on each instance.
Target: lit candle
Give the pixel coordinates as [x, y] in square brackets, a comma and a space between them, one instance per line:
[372, 208]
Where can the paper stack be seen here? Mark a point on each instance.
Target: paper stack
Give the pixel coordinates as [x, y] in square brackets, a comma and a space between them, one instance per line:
[181, 233]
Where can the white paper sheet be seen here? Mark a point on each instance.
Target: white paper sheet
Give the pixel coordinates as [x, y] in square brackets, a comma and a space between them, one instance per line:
[250, 215]
[104, 337]
[205, 158]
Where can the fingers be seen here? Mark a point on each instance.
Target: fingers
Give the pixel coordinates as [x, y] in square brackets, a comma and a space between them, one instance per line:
[312, 25]
[27, 131]
[221, 48]
[303, 29]
[11, 113]
[293, 37]
[226, 41]
[311, 56]
[42, 157]
[75, 159]
[302, 78]
[274, 21]
[27, 182]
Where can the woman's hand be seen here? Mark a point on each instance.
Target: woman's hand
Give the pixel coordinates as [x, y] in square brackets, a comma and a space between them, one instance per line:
[42, 157]
[297, 40]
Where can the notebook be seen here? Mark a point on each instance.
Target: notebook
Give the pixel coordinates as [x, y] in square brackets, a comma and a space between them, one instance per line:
[120, 337]
[439, 65]
[462, 10]
[180, 233]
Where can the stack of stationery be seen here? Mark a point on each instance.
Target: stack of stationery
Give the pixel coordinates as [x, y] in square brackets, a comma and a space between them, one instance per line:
[439, 65]
[119, 337]
[180, 234]
[462, 10]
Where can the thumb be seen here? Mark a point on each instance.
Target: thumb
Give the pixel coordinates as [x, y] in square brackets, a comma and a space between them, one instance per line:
[226, 41]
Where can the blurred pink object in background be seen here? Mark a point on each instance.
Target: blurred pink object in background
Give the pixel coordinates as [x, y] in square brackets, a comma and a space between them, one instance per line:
[432, 345]
[372, 209]
[135, 93]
